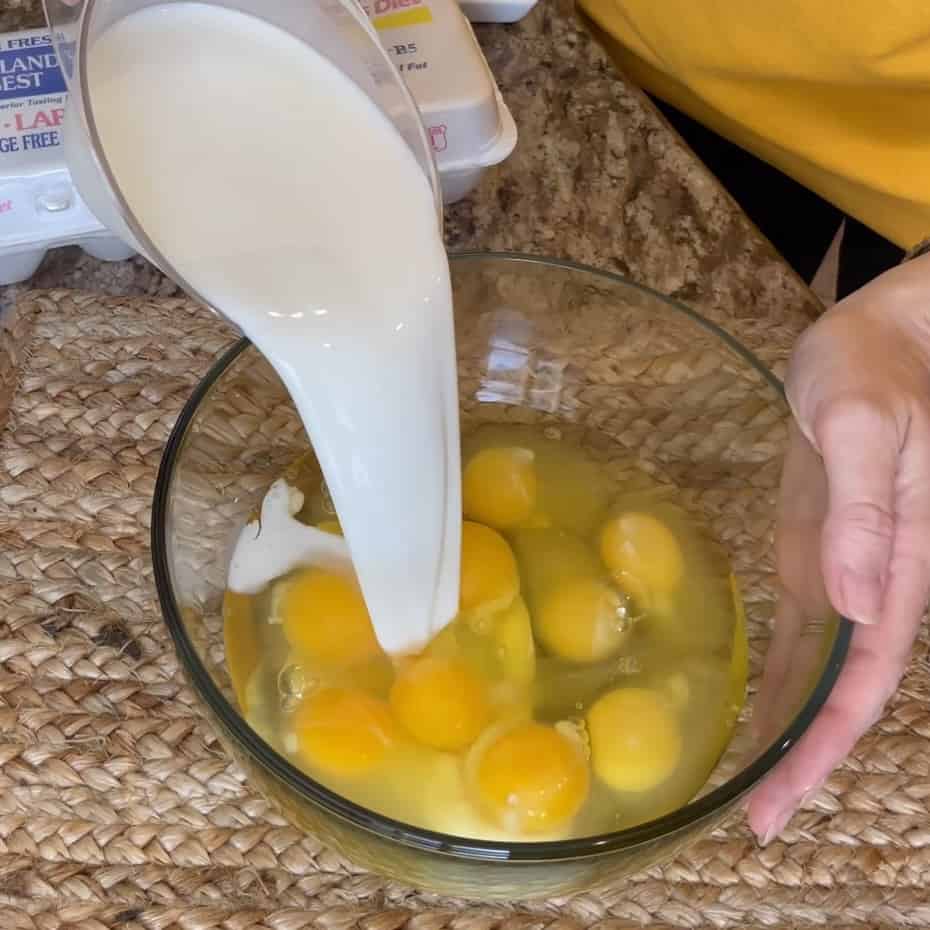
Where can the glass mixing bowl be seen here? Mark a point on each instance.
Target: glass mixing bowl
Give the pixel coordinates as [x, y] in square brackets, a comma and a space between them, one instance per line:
[630, 374]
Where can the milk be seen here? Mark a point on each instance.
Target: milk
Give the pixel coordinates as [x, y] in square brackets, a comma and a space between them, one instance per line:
[282, 194]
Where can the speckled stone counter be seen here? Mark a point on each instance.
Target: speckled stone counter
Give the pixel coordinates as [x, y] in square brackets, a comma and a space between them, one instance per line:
[597, 177]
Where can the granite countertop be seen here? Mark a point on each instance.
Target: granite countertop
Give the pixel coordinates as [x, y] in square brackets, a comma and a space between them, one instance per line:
[597, 177]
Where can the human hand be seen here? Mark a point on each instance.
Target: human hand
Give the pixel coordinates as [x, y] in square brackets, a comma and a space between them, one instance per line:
[854, 519]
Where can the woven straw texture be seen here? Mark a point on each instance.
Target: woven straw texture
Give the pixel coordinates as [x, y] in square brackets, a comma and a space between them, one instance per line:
[118, 807]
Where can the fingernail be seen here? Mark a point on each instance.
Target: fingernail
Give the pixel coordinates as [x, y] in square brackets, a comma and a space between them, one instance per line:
[776, 826]
[862, 596]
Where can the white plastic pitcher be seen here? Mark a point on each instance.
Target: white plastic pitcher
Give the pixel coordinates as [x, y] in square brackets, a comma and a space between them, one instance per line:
[337, 29]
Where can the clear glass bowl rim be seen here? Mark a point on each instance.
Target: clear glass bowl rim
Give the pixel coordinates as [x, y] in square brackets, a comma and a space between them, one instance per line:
[396, 831]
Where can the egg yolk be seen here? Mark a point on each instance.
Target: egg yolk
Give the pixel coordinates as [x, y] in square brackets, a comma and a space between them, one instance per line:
[642, 552]
[489, 579]
[531, 778]
[344, 732]
[441, 702]
[325, 618]
[635, 739]
[499, 487]
[584, 620]
[241, 642]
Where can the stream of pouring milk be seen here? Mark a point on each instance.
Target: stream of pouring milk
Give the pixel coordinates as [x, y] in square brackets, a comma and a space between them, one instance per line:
[278, 189]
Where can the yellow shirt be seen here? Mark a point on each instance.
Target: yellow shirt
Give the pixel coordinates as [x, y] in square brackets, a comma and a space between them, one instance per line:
[835, 94]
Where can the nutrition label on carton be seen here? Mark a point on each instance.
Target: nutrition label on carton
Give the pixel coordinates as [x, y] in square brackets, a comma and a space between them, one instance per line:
[433, 47]
[407, 57]
[397, 22]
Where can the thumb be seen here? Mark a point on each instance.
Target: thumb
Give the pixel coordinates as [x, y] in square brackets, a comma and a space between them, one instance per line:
[859, 443]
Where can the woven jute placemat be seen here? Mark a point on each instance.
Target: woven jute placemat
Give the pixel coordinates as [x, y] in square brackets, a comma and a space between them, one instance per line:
[119, 808]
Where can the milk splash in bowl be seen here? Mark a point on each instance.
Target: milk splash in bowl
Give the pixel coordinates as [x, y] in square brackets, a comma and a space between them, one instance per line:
[314, 229]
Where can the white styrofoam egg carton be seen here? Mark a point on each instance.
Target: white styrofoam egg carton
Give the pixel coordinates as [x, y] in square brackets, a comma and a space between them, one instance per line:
[430, 42]
[433, 46]
[39, 206]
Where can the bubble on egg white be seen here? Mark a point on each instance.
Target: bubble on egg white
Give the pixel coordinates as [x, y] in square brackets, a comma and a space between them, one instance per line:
[625, 613]
[481, 624]
[577, 733]
[294, 681]
[290, 742]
